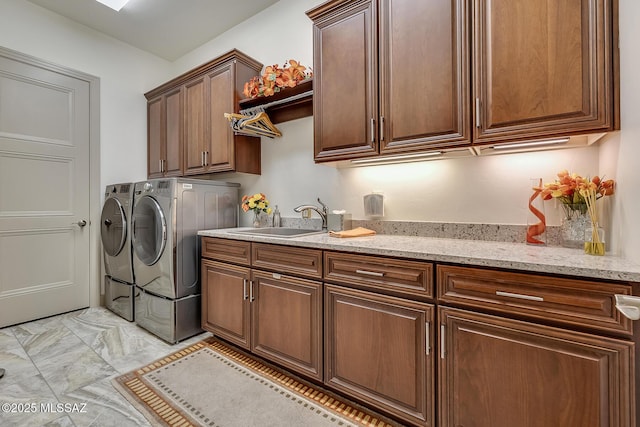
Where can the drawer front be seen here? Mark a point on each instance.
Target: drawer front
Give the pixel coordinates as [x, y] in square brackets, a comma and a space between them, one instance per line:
[287, 259]
[576, 302]
[406, 278]
[235, 251]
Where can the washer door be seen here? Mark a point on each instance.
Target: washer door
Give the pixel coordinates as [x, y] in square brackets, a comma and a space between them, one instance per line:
[113, 227]
[149, 230]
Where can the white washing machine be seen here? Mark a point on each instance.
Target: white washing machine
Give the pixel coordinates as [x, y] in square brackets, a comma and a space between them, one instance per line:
[115, 233]
[167, 215]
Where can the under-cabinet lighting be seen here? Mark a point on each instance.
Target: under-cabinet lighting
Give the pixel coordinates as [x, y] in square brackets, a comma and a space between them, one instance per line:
[114, 4]
[531, 144]
[399, 158]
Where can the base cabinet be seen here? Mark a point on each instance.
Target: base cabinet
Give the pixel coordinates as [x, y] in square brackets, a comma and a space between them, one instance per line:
[276, 316]
[378, 349]
[500, 372]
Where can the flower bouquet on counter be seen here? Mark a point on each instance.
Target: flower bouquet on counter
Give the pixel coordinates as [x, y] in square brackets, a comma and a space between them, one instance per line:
[578, 195]
[276, 78]
[257, 203]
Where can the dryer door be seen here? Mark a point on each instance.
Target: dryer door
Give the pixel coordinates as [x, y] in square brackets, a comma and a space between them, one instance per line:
[149, 230]
[113, 227]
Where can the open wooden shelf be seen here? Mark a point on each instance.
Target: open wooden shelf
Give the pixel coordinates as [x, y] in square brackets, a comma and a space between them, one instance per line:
[287, 110]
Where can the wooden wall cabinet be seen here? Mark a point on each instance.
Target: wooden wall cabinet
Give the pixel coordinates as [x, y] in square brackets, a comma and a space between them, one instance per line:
[198, 137]
[541, 71]
[394, 76]
[390, 76]
[272, 314]
[164, 130]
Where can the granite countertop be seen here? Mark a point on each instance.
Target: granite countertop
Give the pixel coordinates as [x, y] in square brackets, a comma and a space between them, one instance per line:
[516, 256]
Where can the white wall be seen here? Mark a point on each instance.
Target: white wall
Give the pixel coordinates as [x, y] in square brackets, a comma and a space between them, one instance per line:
[125, 72]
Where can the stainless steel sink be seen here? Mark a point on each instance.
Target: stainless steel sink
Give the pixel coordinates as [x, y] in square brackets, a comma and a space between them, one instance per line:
[278, 232]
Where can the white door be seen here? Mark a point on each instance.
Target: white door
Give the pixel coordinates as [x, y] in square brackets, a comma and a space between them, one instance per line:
[44, 192]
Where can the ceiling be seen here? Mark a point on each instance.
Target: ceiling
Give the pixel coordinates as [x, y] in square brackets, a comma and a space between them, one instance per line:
[166, 28]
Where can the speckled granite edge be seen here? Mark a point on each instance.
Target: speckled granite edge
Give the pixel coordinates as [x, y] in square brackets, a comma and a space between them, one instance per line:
[515, 256]
[486, 232]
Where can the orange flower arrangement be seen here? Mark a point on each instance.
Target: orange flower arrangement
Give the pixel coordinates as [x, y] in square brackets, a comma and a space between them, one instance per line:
[569, 188]
[578, 193]
[276, 78]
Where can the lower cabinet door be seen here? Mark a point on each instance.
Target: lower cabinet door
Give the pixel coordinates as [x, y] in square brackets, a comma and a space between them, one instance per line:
[502, 373]
[379, 349]
[286, 322]
[225, 302]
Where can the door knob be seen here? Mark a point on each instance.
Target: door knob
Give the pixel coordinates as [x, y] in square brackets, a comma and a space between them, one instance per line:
[80, 223]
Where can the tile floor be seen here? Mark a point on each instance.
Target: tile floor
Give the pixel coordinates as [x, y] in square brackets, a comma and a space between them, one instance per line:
[60, 369]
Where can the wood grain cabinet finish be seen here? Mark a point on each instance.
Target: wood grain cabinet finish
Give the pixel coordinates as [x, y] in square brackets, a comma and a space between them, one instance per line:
[379, 67]
[206, 142]
[226, 310]
[274, 315]
[542, 71]
[396, 76]
[574, 303]
[227, 250]
[379, 349]
[164, 130]
[286, 319]
[499, 372]
[406, 278]
[287, 259]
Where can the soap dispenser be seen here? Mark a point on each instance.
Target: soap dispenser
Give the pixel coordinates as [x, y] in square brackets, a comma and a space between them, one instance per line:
[276, 217]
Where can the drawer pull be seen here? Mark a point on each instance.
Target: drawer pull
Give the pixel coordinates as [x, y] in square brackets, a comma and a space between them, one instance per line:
[370, 273]
[519, 296]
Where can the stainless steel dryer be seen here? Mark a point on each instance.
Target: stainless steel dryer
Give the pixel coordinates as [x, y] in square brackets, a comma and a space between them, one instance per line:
[115, 234]
[167, 215]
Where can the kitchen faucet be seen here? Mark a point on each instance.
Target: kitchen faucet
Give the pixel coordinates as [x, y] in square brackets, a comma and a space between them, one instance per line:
[322, 213]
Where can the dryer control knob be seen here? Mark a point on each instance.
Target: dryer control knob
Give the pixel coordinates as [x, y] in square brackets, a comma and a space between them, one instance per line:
[147, 186]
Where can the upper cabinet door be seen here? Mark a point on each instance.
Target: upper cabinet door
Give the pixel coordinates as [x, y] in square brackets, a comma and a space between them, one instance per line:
[155, 137]
[195, 135]
[542, 68]
[220, 154]
[345, 82]
[424, 74]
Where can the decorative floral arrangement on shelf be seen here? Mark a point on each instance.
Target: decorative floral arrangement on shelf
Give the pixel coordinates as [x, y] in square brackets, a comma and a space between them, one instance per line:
[257, 203]
[276, 78]
[578, 196]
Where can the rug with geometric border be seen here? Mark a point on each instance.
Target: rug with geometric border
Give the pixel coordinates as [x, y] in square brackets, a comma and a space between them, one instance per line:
[210, 384]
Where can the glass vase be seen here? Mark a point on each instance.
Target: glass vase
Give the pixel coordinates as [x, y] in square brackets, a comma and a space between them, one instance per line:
[594, 240]
[256, 219]
[573, 225]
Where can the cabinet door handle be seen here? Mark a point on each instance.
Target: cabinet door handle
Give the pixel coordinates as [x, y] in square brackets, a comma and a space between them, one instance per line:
[206, 158]
[373, 130]
[244, 289]
[519, 296]
[381, 128]
[370, 273]
[442, 341]
[160, 164]
[202, 158]
[477, 112]
[251, 297]
[427, 338]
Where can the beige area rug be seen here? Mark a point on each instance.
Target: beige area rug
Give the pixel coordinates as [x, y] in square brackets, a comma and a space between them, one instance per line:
[210, 384]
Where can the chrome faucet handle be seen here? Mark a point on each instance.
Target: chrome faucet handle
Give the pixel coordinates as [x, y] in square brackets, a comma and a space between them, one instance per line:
[324, 207]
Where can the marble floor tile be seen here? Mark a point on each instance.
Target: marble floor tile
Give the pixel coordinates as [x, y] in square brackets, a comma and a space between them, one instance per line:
[70, 360]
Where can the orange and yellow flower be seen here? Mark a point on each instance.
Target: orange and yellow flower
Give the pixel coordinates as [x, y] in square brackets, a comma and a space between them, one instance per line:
[274, 78]
[257, 202]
